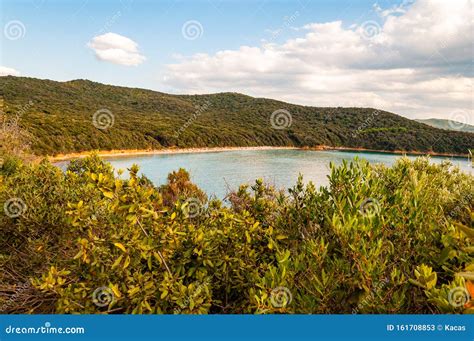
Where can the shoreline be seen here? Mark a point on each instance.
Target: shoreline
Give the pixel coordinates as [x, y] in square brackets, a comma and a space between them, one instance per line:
[132, 152]
[397, 152]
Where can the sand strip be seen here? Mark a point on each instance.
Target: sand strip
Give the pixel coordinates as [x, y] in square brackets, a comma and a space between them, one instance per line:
[131, 152]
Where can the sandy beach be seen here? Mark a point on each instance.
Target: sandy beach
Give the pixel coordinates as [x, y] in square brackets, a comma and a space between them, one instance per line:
[131, 152]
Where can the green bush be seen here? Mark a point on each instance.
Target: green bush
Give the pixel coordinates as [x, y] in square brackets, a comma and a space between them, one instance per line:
[376, 240]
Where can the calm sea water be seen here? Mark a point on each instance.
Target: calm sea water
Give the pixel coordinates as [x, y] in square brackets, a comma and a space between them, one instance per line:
[216, 172]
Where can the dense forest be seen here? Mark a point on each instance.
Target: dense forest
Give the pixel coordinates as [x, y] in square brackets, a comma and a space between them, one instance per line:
[81, 115]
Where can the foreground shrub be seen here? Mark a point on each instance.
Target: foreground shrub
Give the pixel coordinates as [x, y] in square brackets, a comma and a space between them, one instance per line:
[376, 240]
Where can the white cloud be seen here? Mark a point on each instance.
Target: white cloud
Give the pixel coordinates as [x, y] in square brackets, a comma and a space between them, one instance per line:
[117, 49]
[396, 9]
[8, 71]
[418, 63]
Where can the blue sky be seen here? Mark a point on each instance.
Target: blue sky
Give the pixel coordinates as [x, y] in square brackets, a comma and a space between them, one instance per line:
[57, 42]
[57, 32]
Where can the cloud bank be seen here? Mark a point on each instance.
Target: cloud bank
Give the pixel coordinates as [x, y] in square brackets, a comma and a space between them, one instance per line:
[8, 71]
[117, 49]
[416, 60]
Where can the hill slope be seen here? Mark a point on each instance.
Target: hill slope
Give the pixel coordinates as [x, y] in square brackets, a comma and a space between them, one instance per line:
[59, 115]
[447, 124]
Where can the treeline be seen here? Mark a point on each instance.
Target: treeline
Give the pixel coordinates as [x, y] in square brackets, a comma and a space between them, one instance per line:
[81, 115]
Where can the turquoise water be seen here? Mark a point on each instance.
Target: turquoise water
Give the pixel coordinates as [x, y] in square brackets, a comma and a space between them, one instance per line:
[216, 172]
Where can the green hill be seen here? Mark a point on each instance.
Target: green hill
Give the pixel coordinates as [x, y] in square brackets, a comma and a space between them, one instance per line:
[448, 124]
[59, 116]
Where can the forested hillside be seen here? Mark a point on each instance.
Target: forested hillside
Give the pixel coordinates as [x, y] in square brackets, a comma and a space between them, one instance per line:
[82, 115]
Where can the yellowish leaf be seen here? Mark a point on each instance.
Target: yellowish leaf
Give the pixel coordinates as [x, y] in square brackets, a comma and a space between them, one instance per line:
[247, 235]
[133, 291]
[127, 262]
[117, 262]
[108, 194]
[120, 246]
[115, 290]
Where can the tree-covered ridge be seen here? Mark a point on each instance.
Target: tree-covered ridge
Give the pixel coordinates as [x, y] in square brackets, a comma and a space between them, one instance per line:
[59, 117]
[376, 240]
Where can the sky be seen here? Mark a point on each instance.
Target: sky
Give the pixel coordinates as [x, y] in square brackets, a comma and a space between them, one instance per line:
[411, 57]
